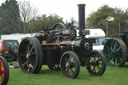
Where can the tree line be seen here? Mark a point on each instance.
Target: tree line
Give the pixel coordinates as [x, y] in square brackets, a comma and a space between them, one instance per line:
[22, 17]
[100, 19]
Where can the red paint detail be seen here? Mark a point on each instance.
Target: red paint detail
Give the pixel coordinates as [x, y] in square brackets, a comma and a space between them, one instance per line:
[2, 72]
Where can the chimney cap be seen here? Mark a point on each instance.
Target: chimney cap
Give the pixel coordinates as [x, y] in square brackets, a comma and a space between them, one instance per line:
[81, 4]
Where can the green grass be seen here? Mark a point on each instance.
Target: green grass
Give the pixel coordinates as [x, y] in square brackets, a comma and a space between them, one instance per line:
[112, 76]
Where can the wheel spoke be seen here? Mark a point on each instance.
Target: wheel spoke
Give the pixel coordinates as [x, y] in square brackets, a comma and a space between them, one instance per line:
[112, 45]
[116, 63]
[99, 68]
[30, 67]
[94, 68]
[25, 63]
[31, 49]
[115, 45]
[66, 59]
[72, 71]
[67, 69]
[116, 50]
[116, 60]
[69, 60]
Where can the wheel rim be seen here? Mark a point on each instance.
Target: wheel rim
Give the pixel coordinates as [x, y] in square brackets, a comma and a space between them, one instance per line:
[28, 55]
[70, 66]
[2, 72]
[115, 52]
[96, 64]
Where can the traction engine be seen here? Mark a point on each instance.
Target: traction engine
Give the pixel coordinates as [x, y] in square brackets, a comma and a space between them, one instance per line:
[60, 49]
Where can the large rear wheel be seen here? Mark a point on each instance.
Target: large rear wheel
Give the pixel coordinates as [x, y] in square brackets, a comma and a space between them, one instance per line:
[115, 52]
[30, 55]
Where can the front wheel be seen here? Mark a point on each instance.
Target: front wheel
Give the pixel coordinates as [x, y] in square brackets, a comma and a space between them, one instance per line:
[70, 64]
[4, 71]
[97, 63]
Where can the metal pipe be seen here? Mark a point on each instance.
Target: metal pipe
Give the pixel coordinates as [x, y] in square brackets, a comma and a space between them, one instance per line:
[81, 11]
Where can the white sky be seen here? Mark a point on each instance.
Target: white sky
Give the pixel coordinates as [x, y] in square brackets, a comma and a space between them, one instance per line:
[68, 8]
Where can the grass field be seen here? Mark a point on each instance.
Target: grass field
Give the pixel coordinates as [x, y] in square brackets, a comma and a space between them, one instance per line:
[112, 76]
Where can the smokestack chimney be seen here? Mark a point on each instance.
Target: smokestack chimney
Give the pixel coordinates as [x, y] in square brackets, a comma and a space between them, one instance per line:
[81, 10]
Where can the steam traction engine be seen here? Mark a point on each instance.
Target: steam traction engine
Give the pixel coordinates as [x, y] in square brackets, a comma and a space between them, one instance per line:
[60, 49]
[116, 49]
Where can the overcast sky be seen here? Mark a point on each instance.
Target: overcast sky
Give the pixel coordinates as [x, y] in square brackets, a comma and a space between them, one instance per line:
[68, 8]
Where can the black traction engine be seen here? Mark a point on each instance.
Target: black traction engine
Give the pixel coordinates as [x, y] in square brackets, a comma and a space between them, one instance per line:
[60, 49]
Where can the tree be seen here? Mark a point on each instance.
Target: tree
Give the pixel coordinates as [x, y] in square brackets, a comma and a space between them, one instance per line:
[126, 18]
[10, 17]
[27, 12]
[98, 19]
[42, 22]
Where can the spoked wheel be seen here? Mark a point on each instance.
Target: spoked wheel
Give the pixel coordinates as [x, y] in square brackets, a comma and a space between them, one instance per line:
[97, 64]
[70, 64]
[54, 67]
[115, 52]
[30, 55]
[4, 71]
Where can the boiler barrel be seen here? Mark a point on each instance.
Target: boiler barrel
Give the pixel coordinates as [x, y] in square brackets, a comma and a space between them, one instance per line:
[83, 46]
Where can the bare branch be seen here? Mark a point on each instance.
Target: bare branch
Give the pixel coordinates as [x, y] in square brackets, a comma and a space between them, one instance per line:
[27, 11]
